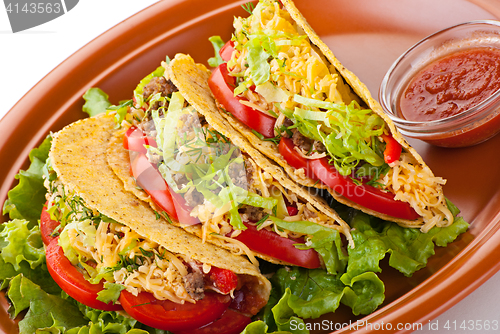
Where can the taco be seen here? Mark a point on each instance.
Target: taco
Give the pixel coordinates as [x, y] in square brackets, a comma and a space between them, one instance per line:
[222, 190]
[281, 87]
[160, 275]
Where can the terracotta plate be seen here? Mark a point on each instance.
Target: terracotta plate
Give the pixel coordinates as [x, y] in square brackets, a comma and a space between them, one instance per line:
[367, 36]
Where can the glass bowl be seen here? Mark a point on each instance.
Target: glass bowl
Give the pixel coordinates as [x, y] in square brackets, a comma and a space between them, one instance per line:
[470, 127]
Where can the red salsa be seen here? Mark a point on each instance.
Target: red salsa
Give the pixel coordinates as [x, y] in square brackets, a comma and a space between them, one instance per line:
[452, 84]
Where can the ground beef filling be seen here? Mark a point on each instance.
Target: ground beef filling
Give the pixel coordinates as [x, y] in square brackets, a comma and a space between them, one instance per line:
[193, 197]
[158, 85]
[195, 285]
[238, 175]
[301, 141]
[251, 213]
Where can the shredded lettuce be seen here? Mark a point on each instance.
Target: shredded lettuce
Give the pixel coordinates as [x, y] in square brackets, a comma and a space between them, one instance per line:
[121, 111]
[206, 158]
[348, 132]
[257, 61]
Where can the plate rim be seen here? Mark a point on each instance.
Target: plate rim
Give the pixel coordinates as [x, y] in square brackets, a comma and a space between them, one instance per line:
[459, 269]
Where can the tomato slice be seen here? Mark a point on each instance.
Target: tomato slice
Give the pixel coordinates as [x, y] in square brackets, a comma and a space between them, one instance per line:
[223, 279]
[294, 159]
[227, 50]
[222, 86]
[150, 180]
[167, 315]
[270, 243]
[292, 211]
[135, 140]
[183, 210]
[365, 195]
[392, 150]
[47, 226]
[231, 322]
[72, 281]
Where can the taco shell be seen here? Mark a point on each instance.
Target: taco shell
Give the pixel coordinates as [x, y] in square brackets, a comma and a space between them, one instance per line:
[415, 161]
[79, 157]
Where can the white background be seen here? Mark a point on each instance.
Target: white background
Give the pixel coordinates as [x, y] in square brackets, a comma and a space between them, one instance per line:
[26, 57]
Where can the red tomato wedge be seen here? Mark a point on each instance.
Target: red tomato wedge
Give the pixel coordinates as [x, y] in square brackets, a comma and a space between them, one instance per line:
[270, 243]
[47, 226]
[135, 140]
[231, 322]
[150, 180]
[72, 281]
[392, 150]
[182, 209]
[222, 86]
[365, 195]
[286, 149]
[292, 211]
[167, 315]
[226, 51]
[223, 279]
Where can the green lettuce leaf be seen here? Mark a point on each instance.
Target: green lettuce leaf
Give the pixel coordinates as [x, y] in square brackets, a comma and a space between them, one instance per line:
[20, 243]
[260, 327]
[26, 199]
[39, 275]
[44, 310]
[111, 292]
[365, 294]
[326, 241]
[285, 318]
[409, 249]
[51, 313]
[315, 292]
[96, 102]
[217, 44]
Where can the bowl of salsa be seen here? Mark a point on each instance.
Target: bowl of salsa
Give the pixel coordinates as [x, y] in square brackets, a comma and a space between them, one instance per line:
[445, 90]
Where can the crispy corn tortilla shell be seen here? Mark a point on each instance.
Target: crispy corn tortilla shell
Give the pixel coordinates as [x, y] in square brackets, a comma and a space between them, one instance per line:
[270, 150]
[362, 91]
[78, 156]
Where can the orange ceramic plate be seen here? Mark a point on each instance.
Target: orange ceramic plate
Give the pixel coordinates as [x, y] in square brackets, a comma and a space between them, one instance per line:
[366, 36]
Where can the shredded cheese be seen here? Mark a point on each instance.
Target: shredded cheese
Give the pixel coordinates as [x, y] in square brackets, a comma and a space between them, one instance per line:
[160, 273]
[412, 183]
